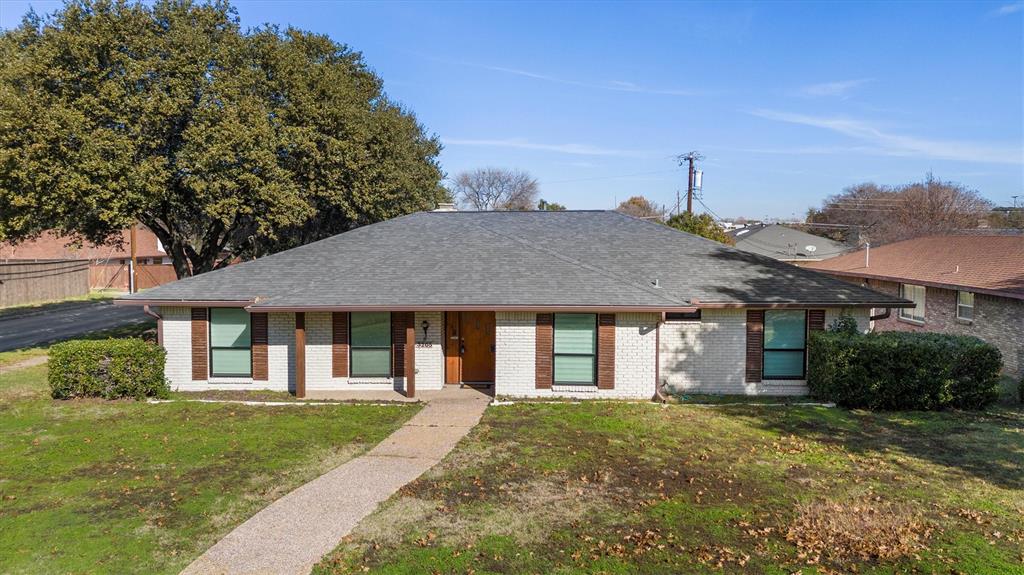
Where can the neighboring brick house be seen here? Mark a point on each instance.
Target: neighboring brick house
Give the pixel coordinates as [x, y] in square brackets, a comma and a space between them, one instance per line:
[108, 264]
[969, 284]
[540, 304]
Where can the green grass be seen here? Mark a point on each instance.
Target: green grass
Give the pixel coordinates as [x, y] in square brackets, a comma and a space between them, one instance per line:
[640, 488]
[94, 486]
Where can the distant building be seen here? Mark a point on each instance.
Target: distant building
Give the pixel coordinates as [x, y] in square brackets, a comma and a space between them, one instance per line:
[787, 244]
[967, 283]
[108, 264]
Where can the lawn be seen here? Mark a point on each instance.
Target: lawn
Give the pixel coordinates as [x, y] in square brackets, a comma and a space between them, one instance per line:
[641, 488]
[94, 486]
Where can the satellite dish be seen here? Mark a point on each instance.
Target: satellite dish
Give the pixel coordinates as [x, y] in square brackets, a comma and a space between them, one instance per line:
[811, 249]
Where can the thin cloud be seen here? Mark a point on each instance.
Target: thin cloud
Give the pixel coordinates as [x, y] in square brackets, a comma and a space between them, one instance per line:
[1007, 9]
[841, 88]
[523, 144]
[889, 144]
[613, 86]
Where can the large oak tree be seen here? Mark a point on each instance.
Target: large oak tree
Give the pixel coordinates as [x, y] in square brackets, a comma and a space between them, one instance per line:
[223, 141]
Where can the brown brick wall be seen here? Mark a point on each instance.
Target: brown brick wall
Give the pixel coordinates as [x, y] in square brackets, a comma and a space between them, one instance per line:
[545, 350]
[200, 349]
[755, 342]
[997, 320]
[260, 366]
[339, 344]
[399, 321]
[606, 351]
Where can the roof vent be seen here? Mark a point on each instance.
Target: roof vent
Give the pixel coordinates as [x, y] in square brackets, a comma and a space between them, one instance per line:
[655, 283]
[446, 207]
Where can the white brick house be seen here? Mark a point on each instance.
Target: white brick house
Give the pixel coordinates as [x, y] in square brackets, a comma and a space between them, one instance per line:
[564, 304]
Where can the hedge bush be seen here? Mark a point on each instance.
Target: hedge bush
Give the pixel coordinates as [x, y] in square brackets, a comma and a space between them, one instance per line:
[112, 369]
[896, 371]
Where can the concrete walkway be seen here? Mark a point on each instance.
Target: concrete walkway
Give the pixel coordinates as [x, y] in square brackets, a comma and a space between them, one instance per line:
[294, 532]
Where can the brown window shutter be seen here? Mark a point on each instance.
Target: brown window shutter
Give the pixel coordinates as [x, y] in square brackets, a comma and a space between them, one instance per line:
[339, 344]
[816, 320]
[260, 369]
[200, 349]
[755, 344]
[606, 351]
[545, 350]
[399, 321]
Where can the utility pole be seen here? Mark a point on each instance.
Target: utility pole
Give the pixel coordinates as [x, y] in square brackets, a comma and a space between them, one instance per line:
[133, 275]
[689, 158]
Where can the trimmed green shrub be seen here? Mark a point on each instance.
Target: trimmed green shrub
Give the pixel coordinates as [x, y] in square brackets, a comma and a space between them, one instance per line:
[897, 371]
[111, 369]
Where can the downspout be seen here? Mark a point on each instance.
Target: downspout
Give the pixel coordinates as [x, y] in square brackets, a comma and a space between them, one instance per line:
[159, 324]
[658, 395]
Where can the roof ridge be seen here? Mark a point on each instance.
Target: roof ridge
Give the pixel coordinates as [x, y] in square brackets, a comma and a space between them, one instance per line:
[606, 272]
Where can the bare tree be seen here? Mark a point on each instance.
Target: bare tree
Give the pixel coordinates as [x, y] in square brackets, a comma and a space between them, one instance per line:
[889, 214]
[496, 189]
[641, 207]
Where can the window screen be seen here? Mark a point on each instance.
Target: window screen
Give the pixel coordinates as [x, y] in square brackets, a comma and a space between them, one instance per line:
[370, 344]
[230, 343]
[575, 348]
[785, 344]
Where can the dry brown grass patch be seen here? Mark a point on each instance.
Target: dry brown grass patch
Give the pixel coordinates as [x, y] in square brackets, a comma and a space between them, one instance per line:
[863, 529]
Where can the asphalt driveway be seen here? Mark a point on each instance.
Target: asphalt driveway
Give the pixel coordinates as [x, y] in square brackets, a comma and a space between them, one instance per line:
[31, 328]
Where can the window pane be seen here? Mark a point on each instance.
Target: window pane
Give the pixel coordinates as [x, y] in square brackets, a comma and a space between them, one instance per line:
[964, 312]
[784, 329]
[915, 294]
[229, 327]
[371, 329]
[784, 364]
[575, 332]
[574, 369]
[371, 362]
[230, 362]
[965, 298]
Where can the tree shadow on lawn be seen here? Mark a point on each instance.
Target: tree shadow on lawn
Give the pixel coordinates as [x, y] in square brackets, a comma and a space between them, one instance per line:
[987, 446]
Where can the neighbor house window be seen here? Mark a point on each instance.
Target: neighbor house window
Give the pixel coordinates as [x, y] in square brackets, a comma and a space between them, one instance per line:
[785, 349]
[965, 305]
[575, 348]
[370, 342]
[915, 294]
[230, 342]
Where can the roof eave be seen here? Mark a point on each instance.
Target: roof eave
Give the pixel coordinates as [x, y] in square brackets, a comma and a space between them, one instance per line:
[942, 285]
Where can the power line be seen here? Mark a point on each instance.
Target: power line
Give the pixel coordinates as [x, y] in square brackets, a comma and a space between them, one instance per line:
[607, 177]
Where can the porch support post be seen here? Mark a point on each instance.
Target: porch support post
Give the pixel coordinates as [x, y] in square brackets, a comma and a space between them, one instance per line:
[300, 354]
[410, 355]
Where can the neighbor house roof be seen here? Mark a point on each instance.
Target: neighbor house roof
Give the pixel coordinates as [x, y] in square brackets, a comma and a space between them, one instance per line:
[513, 260]
[787, 244]
[992, 264]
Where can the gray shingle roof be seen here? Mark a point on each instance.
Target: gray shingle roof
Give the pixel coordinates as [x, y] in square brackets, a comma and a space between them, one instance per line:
[784, 243]
[539, 259]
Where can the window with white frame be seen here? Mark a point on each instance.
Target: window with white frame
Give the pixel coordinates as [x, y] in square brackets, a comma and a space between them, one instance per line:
[965, 305]
[914, 293]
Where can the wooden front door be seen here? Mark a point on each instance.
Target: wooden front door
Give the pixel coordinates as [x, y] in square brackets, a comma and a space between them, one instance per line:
[470, 347]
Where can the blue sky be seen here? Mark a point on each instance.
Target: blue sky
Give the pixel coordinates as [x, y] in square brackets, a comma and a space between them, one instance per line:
[789, 102]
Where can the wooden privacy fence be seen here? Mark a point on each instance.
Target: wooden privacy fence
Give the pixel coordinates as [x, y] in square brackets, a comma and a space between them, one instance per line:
[106, 276]
[28, 281]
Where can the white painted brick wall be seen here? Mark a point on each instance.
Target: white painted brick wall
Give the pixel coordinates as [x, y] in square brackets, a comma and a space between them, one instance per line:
[177, 332]
[710, 356]
[515, 369]
[429, 351]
